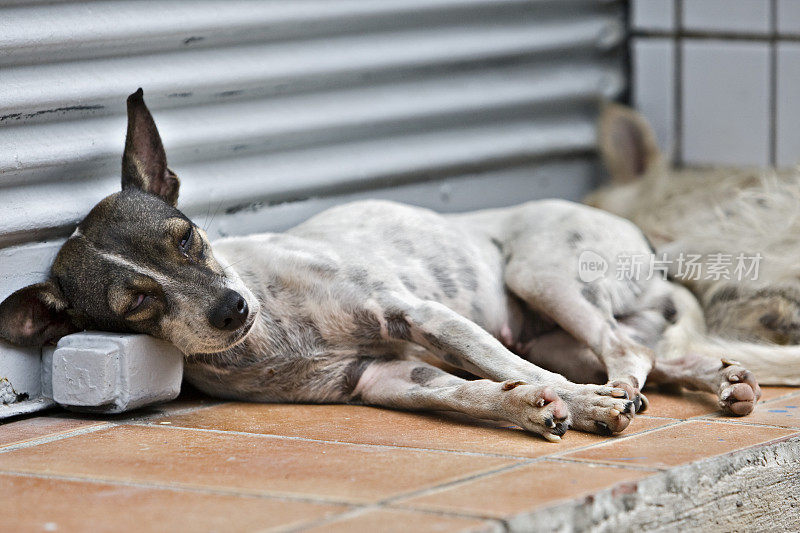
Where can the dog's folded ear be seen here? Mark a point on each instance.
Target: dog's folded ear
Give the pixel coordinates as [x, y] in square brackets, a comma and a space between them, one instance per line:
[35, 315]
[627, 143]
[144, 163]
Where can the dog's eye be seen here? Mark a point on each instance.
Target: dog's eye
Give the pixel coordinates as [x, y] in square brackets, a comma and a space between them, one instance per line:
[186, 241]
[135, 304]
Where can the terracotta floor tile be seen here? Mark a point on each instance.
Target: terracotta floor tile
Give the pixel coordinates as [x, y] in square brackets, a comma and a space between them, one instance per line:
[246, 463]
[401, 521]
[525, 488]
[682, 443]
[684, 404]
[688, 404]
[784, 413]
[771, 393]
[347, 423]
[64, 506]
[163, 409]
[37, 427]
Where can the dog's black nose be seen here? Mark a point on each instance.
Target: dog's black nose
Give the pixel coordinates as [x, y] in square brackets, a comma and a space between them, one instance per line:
[230, 312]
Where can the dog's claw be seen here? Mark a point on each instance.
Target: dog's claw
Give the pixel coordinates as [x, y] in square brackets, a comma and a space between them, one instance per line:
[603, 429]
[645, 403]
[637, 402]
[549, 422]
[629, 408]
[552, 437]
[619, 393]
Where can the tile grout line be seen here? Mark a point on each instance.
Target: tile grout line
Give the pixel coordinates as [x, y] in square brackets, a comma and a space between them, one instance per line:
[773, 83]
[97, 426]
[677, 85]
[637, 468]
[748, 424]
[176, 412]
[382, 504]
[359, 511]
[667, 468]
[343, 443]
[621, 438]
[714, 36]
[178, 487]
[56, 437]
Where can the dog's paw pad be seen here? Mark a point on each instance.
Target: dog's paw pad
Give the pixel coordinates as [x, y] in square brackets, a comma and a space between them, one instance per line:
[738, 399]
[739, 390]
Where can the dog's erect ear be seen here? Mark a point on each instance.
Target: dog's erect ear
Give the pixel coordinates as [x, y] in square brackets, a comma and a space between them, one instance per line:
[144, 163]
[35, 315]
[627, 143]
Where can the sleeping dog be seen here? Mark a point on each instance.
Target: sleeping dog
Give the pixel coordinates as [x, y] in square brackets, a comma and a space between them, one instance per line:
[715, 213]
[380, 303]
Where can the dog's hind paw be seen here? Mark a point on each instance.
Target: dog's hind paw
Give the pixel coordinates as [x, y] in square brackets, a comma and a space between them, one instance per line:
[738, 390]
[598, 408]
[536, 409]
[639, 400]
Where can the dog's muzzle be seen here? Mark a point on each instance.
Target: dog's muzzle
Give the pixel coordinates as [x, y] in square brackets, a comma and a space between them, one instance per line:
[230, 313]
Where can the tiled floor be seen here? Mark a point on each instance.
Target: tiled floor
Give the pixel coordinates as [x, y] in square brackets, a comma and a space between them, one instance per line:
[200, 465]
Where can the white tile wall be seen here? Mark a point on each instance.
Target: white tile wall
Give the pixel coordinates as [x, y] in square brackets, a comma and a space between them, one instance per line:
[742, 16]
[726, 106]
[653, 14]
[789, 17]
[788, 105]
[653, 65]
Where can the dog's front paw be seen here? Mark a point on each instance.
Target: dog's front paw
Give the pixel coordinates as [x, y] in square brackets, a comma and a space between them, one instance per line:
[598, 408]
[639, 400]
[738, 390]
[536, 409]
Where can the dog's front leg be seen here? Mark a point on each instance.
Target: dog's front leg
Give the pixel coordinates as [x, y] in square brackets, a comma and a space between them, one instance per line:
[462, 343]
[585, 313]
[420, 386]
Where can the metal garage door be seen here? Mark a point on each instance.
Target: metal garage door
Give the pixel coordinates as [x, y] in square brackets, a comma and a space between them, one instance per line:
[273, 110]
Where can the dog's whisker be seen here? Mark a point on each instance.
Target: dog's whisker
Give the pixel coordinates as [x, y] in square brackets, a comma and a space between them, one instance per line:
[219, 206]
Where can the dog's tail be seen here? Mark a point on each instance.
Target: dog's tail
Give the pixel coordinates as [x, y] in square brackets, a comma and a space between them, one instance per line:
[772, 364]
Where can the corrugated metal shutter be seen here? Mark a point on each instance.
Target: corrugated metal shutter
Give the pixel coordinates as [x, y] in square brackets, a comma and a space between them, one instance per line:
[272, 110]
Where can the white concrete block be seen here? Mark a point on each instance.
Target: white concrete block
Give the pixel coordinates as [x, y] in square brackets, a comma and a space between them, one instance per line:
[111, 372]
[737, 16]
[726, 103]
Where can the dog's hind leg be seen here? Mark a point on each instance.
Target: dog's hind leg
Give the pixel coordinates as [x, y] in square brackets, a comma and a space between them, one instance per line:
[558, 351]
[584, 311]
[687, 357]
[736, 388]
[416, 385]
[464, 344]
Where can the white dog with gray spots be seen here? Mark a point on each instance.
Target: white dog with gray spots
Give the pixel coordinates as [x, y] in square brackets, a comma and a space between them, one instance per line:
[380, 303]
